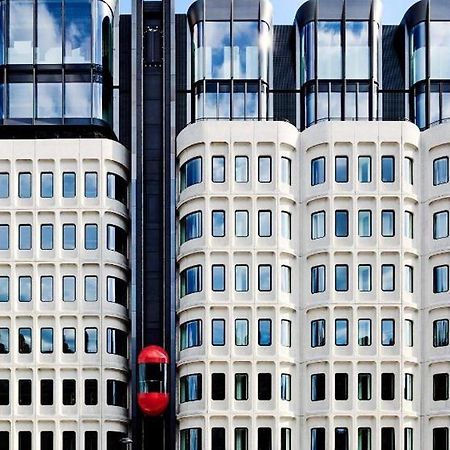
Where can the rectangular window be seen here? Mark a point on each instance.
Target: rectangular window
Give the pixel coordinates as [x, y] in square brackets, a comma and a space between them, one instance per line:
[440, 438]
[364, 278]
[341, 223]
[46, 392]
[90, 185]
[46, 340]
[4, 289]
[69, 440]
[69, 340]
[241, 278]
[25, 440]
[341, 332]
[190, 439]
[241, 332]
[387, 386]
[365, 439]
[408, 225]
[341, 277]
[409, 386]
[341, 169]
[365, 223]
[387, 277]
[264, 278]
[286, 387]
[218, 386]
[24, 392]
[286, 439]
[340, 439]
[264, 386]
[317, 279]
[240, 439]
[91, 440]
[364, 386]
[191, 334]
[47, 237]
[317, 387]
[317, 171]
[4, 395]
[24, 185]
[285, 171]
[409, 333]
[90, 288]
[318, 333]
[285, 225]
[264, 223]
[364, 169]
[388, 438]
[25, 289]
[190, 388]
[218, 441]
[264, 332]
[387, 223]
[408, 169]
[69, 184]
[25, 237]
[341, 386]
[440, 225]
[4, 237]
[69, 288]
[408, 274]
[116, 342]
[364, 332]
[440, 279]
[91, 236]
[440, 171]
[47, 440]
[218, 277]
[4, 185]
[387, 169]
[286, 279]
[318, 225]
[440, 333]
[387, 332]
[264, 439]
[317, 438]
[241, 223]
[47, 289]
[69, 236]
[285, 333]
[117, 289]
[90, 392]
[46, 185]
[25, 340]
[69, 392]
[218, 169]
[90, 340]
[218, 332]
[440, 386]
[218, 223]
[264, 169]
[241, 170]
[241, 386]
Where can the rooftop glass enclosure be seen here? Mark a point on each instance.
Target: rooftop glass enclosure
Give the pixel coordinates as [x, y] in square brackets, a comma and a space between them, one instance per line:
[338, 45]
[427, 59]
[56, 61]
[230, 58]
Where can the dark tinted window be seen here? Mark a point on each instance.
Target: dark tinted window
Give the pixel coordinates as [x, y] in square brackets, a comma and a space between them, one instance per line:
[264, 386]
[387, 386]
[24, 392]
[117, 392]
[218, 386]
[69, 392]
[90, 392]
[46, 392]
[341, 386]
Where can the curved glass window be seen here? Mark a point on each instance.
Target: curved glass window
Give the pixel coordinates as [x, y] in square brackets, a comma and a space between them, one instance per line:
[357, 50]
[190, 173]
[77, 31]
[329, 50]
[217, 50]
[418, 53]
[116, 342]
[49, 32]
[190, 334]
[307, 60]
[116, 239]
[439, 50]
[190, 280]
[190, 227]
[245, 50]
[420, 106]
[116, 188]
[190, 388]
[198, 50]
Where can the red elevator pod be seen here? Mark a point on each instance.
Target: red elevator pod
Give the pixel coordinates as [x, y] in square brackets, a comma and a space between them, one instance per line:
[153, 398]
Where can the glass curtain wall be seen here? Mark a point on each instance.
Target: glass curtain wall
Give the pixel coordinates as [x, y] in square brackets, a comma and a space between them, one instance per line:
[58, 58]
[230, 69]
[338, 69]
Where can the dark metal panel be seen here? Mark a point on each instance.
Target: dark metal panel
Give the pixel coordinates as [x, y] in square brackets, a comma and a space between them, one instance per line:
[330, 10]
[417, 13]
[181, 38]
[440, 10]
[125, 80]
[358, 9]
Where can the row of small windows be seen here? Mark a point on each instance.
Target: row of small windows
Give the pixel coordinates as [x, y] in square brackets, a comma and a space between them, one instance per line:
[117, 392]
[191, 333]
[70, 440]
[116, 237]
[365, 228]
[116, 341]
[116, 289]
[191, 224]
[191, 171]
[191, 387]
[191, 278]
[116, 186]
